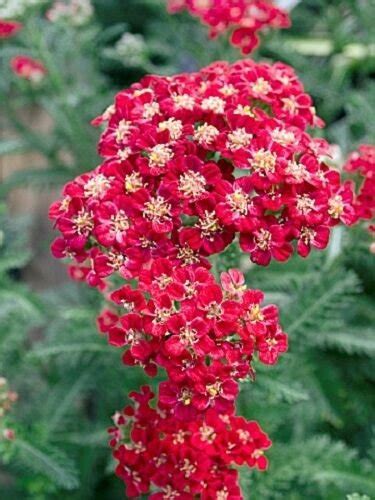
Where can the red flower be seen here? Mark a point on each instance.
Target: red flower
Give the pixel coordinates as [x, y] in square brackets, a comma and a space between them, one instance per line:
[167, 189]
[28, 68]
[9, 28]
[267, 242]
[248, 17]
[363, 162]
[220, 314]
[312, 236]
[271, 346]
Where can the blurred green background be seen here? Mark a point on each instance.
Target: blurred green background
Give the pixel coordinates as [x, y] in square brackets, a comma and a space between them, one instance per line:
[317, 404]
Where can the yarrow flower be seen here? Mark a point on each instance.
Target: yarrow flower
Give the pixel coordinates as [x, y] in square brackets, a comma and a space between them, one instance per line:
[74, 12]
[244, 19]
[362, 162]
[28, 68]
[205, 336]
[7, 400]
[188, 319]
[189, 163]
[9, 28]
[183, 458]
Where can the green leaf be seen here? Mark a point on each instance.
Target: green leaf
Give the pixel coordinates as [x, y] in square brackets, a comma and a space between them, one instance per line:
[69, 349]
[36, 177]
[64, 405]
[49, 462]
[351, 342]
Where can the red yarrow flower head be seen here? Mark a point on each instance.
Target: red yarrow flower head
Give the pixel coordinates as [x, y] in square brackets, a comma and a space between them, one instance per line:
[190, 164]
[362, 163]
[9, 28]
[28, 68]
[245, 19]
[192, 161]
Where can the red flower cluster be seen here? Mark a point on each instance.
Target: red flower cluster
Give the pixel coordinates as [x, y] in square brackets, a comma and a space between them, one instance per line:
[363, 163]
[179, 318]
[184, 459]
[204, 336]
[9, 28]
[192, 160]
[28, 68]
[244, 18]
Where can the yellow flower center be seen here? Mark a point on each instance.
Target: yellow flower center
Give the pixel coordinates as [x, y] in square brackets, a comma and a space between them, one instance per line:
[206, 134]
[222, 494]
[188, 335]
[83, 222]
[133, 182]
[238, 202]
[214, 389]
[123, 130]
[116, 260]
[296, 170]
[238, 139]
[160, 155]
[96, 186]
[255, 313]
[261, 86]
[283, 137]
[173, 126]
[119, 222]
[289, 104]
[263, 239]
[263, 162]
[209, 225]
[243, 435]
[187, 255]
[163, 281]
[157, 209]
[183, 101]
[336, 207]
[207, 433]
[124, 153]
[192, 184]
[307, 235]
[245, 111]
[150, 109]
[214, 104]
[188, 468]
[305, 204]
[185, 397]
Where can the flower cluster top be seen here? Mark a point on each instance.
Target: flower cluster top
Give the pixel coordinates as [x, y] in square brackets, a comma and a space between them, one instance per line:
[243, 18]
[193, 160]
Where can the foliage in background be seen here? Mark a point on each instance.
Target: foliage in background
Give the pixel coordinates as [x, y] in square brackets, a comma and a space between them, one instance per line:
[317, 403]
